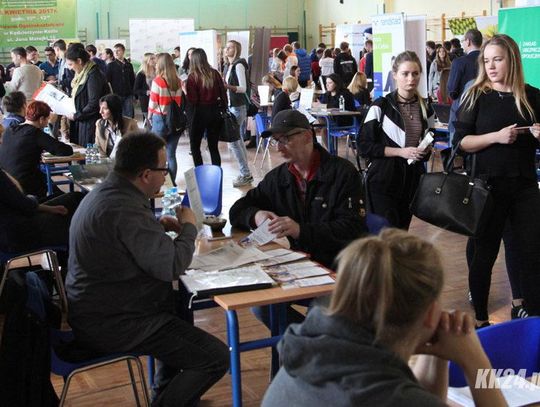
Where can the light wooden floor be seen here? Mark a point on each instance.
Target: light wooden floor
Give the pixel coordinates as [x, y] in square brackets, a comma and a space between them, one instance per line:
[111, 386]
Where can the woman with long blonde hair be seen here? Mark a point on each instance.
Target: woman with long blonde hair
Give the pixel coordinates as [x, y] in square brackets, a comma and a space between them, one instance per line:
[498, 122]
[143, 82]
[385, 307]
[359, 89]
[206, 95]
[166, 87]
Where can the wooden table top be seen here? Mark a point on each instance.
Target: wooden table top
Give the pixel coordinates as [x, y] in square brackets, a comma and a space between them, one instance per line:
[326, 113]
[56, 159]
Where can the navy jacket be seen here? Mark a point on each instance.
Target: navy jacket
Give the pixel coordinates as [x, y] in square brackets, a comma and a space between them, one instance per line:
[463, 69]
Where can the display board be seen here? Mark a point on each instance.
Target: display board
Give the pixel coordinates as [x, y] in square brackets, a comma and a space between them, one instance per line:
[415, 40]
[354, 35]
[36, 22]
[243, 38]
[388, 41]
[155, 35]
[102, 44]
[522, 25]
[206, 39]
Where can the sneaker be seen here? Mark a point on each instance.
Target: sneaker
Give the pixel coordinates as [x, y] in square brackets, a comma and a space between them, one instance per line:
[242, 180]
[518, 312]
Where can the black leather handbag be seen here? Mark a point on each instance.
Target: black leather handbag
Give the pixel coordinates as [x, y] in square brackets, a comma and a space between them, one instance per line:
[457, 202]
[229, 131]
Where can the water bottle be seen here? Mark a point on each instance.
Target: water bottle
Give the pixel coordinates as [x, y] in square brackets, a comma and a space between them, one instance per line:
[89, 155]
[166, 203]
[97, 156]
[341, 103]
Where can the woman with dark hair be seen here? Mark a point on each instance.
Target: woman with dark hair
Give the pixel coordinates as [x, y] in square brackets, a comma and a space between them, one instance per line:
[206, 95]
[504, 145]
[334, 90]
[22, 145]
[392, 130]
[184, 69]
[112, 125]
[88, 86]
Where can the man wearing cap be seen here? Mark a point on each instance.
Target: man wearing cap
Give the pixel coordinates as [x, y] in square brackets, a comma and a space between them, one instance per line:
[313, 199]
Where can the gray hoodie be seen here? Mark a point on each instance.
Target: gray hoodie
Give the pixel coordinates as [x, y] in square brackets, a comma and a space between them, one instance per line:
[330, 361]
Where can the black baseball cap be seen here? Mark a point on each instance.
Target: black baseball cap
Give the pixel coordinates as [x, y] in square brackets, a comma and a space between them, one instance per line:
[285, 121]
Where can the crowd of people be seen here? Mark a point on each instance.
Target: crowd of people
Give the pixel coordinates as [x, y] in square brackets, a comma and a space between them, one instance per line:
[386, 304]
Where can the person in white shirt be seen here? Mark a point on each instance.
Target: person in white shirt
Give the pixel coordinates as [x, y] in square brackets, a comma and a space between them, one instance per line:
[326, 63]
[26, 78]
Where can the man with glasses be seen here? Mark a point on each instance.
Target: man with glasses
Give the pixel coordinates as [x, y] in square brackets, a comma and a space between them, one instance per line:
[313, 199]
[121, 268]
[50, 66]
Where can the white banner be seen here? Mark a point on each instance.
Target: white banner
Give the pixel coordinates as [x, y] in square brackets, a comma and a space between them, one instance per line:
[415, 40]
[156, 35]
[388, 41]
[207, 40]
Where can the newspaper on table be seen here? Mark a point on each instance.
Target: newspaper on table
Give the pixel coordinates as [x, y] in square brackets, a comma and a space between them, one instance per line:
[516, 390]
[227, 256]
[281, 256]
[58, 101]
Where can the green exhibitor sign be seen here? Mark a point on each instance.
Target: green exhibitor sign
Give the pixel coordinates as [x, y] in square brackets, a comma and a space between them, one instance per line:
[36, 22]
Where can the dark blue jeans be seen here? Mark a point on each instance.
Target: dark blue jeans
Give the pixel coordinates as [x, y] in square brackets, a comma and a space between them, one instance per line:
[158, 127]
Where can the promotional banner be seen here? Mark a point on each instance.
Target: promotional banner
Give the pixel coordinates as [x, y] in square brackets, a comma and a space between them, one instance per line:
[243, 38]
[522, 25]
[415, 40]
[155, 35]
[487, 25]
[36, 22]
[354, 35]
[207, 40]
[388, 41]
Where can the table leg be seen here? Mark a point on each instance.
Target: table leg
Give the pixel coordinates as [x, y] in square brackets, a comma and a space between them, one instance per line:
[329, 137]
[274, 331]
[234, 348]
[49, 179]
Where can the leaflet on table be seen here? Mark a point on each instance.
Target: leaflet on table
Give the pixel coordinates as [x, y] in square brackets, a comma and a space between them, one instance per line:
[516, 390]
[426, 141]
[308, 282]
[259, 236]
[280, 256]
[214, 282]
[58, 101]
[227, 256]
[195, 201]
[290, 272]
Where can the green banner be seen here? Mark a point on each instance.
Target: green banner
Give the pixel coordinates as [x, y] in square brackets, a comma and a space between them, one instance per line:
[522, 25]
[37, 22]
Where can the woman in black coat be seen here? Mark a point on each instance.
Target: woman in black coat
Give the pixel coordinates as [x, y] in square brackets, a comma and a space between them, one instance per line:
[88, 86]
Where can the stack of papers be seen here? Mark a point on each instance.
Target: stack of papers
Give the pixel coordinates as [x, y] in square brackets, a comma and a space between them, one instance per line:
[516, 390]
[281, 256]
[301, 274]
[228, 256]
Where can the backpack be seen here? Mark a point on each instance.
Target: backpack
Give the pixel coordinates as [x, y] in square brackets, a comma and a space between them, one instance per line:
[175, 120]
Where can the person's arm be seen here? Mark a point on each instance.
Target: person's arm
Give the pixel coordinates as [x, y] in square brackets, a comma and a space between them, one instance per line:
[15, 82]
[53, 146]
[475, 143]
[242, 213]
[101, 139]
[153, 102]
[337, 66]
[14, 198]
[139, 88]
[453, 79]
[242, 83]
[131, 75]
[94, 88]
[431, 79]
[369, 65]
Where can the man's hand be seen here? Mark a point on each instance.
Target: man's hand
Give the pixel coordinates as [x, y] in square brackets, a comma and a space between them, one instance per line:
[261, 216]
[57, 209]
[185, 215]
[170, 224]
[284, 226]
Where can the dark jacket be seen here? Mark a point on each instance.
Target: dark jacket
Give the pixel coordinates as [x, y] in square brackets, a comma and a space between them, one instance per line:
[330, 218]
[102, 65]
[463, 69]
[83, 129]
[330, 361]
[282, 101]
[140, 89]
[332, 102]
[237, 99]
[345, 66]
[20, 156]
[384, 127]
[121, 77]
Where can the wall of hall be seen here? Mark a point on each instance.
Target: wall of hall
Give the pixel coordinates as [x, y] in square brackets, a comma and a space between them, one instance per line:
[207, 13]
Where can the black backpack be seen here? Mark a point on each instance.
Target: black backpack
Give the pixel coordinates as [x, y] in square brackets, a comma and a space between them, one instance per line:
[175, 119]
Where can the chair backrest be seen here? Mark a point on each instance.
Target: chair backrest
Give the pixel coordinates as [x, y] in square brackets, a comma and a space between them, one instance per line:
[375, 223]
[210, 182]
[510, 345]
[37, 294]
[260, 123]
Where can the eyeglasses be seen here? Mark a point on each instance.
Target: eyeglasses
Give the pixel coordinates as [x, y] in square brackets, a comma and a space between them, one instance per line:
[284, 140]
[164, 170]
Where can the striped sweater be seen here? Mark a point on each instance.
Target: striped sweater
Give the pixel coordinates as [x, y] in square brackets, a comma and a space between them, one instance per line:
[160, 96]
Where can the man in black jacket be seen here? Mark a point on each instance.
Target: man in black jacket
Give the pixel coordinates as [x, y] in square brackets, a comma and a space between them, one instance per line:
[121, 77]
[313, 199]
[344, 64]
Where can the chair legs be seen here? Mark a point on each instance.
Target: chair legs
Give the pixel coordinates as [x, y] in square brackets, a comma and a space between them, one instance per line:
[128, 359]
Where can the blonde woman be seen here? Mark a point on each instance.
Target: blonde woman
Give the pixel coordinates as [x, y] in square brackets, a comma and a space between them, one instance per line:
[166, 86]
[442, 61]
[143, 82]
[394, 126]
[359, 89]
[498, 121]
[385, 308]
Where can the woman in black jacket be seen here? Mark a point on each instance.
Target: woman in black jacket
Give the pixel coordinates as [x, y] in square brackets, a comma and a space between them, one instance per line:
[88, 86]
[392, 130]
[22, 145]
[143, 83]
[334, 90]
[26, 225]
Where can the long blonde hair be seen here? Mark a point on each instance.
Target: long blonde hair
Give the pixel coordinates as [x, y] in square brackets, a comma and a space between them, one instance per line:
[148, 70]
[410, 56]
[201, 69]
[514, 77]
[237, 49]
[165, 68]
[359, 82]
[386, 282]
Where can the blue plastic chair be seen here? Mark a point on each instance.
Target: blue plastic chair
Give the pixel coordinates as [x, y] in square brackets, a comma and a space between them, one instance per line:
[210, 182]
[510, 345]
[375, 223]
[37, 296]
[261, 124]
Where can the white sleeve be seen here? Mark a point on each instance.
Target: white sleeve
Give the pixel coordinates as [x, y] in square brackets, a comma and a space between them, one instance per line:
[241, 75]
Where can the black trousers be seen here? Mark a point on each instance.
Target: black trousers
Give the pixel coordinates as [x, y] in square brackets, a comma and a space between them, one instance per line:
[204, 119]
[516, 201]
